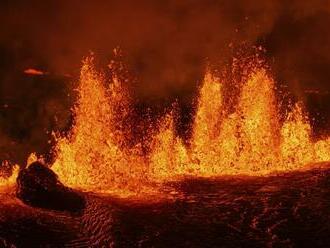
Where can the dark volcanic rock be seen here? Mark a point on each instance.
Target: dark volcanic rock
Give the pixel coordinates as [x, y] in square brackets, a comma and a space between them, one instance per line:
[39, 186]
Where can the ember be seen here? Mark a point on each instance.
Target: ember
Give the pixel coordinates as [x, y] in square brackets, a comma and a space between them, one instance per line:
[34, 72]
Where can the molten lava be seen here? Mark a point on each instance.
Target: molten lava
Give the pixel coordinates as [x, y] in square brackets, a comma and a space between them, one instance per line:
[249, 141]
[93, 156]
[7, 182]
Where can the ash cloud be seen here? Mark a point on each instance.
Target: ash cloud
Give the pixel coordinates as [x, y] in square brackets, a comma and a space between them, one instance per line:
[166, 46]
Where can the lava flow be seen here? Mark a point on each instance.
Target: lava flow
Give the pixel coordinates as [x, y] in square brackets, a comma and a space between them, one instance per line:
[251, 140]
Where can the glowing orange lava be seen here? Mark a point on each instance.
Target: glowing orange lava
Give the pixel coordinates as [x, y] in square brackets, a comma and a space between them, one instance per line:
[250, 140]
[7, 182]
[93, 157]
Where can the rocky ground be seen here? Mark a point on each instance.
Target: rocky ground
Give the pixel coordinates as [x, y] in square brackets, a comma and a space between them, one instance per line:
[287, 210]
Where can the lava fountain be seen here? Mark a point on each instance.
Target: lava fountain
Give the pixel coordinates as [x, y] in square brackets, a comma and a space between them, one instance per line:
[93, 157]
[249, 140]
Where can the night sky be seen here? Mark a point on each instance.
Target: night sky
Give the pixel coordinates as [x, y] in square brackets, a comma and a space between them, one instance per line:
[166, 45]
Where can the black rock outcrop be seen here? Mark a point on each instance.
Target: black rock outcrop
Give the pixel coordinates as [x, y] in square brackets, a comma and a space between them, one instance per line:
[38, 186]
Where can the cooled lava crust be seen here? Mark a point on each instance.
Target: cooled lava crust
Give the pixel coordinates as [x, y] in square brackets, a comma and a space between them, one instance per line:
[287, 210]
